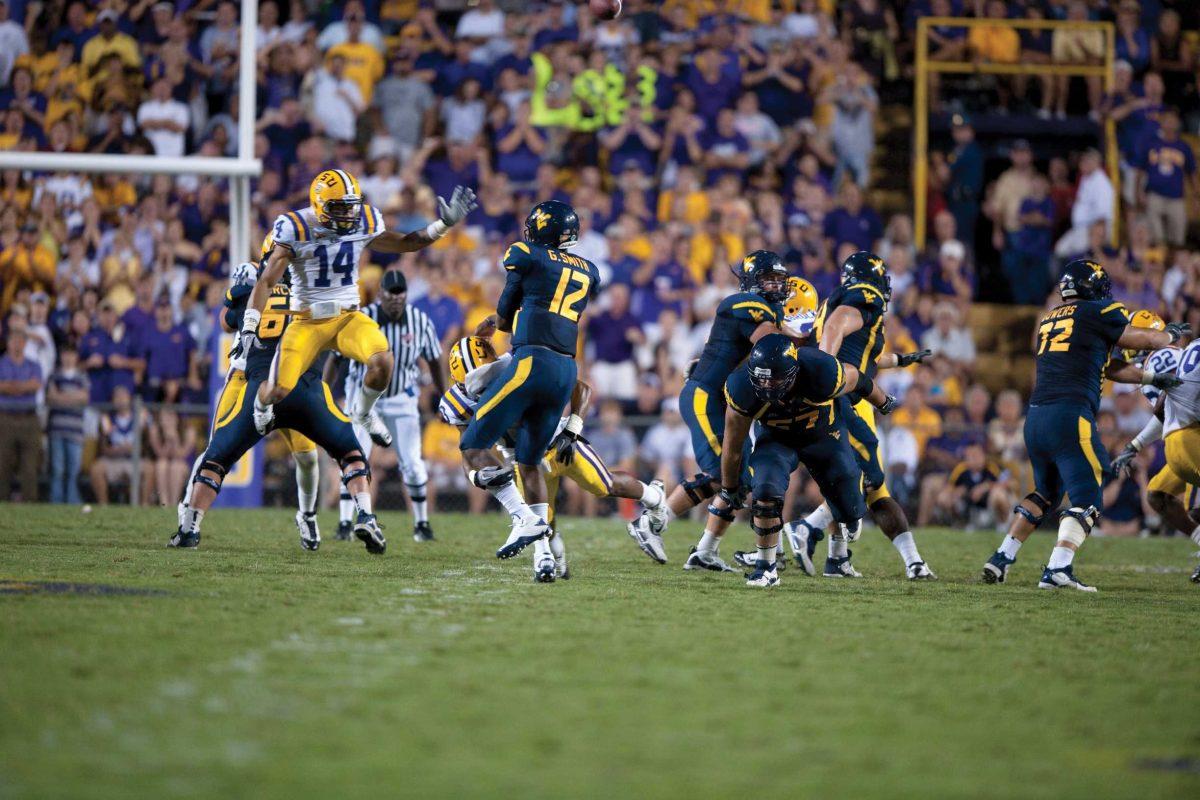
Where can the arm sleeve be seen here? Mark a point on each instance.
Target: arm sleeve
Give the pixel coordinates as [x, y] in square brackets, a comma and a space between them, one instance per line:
[236, 298]
[510, 298]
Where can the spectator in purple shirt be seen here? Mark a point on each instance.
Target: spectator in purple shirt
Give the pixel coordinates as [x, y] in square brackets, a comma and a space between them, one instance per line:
[519, 145]
[443, 310]
[20, 430]
[168, 352]
[727, 152]
[139, 318]
[109, 361]
[715, 82]
[634, 140]
[852, 221]
[663, 281]
[612, 334]
[1166, 170]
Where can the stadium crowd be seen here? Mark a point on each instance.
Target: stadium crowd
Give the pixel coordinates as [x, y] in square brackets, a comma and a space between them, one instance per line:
[685, 133]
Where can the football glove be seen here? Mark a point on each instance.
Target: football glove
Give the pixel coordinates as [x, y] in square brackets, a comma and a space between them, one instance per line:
[908, 359]
[1178, 331]
[890, 403]
[1124, 461]
[1164, 380]
[237, 357]
[249, 337]
[734, 500]
[462, 202]
[564, 443]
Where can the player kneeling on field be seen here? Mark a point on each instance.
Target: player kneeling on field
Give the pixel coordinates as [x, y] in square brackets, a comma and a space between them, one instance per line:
[791, 391]
[474, 365]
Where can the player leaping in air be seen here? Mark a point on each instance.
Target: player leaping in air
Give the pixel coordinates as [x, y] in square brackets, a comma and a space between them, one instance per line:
[1074, 356]
[322, 245]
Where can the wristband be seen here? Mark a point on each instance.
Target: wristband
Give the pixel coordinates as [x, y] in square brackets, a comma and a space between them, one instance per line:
[436, 229]
[574, 425]
[865, 385]
[250, 320]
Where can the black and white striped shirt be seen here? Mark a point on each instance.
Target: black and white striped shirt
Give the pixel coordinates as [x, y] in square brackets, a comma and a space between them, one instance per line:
[410, 337]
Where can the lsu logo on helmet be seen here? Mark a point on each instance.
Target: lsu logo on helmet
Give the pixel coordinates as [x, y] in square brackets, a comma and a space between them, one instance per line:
[468, 354]
[800, 308]
[337, 200]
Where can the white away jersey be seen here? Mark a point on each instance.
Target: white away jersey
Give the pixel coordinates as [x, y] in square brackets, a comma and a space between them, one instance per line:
[324, 262]
[1163, 362]
[1182, 408]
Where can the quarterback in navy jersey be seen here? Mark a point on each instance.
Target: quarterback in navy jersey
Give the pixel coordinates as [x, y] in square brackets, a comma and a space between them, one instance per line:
[1074, 351]
[545, 294]
[741, 319]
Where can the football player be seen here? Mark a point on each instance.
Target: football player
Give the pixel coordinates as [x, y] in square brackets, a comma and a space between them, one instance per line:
[850, 325]
[322, 246]
[545, 293]
[309, 411]
[474, 366]
[303, 449]
[792, 391]
[741, 320]
[1075, 340]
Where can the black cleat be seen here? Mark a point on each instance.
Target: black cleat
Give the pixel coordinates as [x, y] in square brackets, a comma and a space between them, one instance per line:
[345, 531]
[422, 532]
[185, 540]
[370, 532]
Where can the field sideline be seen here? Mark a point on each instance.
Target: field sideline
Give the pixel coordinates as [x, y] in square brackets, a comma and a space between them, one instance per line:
[255, 669]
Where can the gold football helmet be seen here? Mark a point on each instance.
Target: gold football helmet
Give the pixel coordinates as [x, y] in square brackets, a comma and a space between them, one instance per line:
[1143, 319]
[800, 308]
[468, 354]
[336, 199]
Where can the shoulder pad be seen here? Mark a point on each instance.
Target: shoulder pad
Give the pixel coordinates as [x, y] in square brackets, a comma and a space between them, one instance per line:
[862, 295]
[237, 295]
[1113, 307]
[750, 306]
[518, 254]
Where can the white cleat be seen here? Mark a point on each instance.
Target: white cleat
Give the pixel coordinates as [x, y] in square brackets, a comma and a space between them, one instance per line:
[749, 559]
[763, 577]
[310, 533]
[840, 568]
[852, 532]
[521, 536]
[543, 568]
[1063, 578]
[800, 538]
[659, 517]
[264, 419]
[651, 543]
[712, 562]
[920, 571]
[375, 428]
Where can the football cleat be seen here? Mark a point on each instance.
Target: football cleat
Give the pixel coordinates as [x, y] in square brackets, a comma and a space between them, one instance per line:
[920, 571]
[345, 531]
[310, 534]
[562, 569]
[642, 532]
[841, 567]
[658, 514]
[749, 559]
[422, 532]
[521, 536]
[803, 538]
[184, 540]
[704, 560]
[543, 568]
[1196, 575]
[852, 531]
[375, 428]
[370, 533]
[263, 420]
[996, 568]
[764, 575]
[1062, 578]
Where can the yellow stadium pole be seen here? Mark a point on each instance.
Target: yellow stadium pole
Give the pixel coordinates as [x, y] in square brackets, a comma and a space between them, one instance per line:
[921, 134]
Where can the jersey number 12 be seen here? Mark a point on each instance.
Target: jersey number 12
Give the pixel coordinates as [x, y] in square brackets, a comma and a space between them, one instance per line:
[343, 264]
[563, 304]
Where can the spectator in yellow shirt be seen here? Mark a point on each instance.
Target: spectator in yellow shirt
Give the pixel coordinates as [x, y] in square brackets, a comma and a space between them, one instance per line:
[364, 64]
[915, 416]
[999, 42]
[26, 264]
[685, 202]
[110, 41]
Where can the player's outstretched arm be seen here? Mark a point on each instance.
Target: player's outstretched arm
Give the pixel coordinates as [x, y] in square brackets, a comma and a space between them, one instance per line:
[462, 202]
[272, 272]
[895, 360]
[1121, 371]
[1149, 339]
[861, 384]
[844, 321]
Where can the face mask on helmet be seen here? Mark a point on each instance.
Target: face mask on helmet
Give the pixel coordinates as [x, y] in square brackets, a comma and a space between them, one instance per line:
[770, 385]
[773, 286]
[343, 213]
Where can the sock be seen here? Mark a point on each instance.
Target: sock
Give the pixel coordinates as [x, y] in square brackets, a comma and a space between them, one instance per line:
[708, 543]
[346, 507]
[1196, 535]
[767, 555]
[557, 547]
[187, 492]
[308, 479]
[191, 520]
[512, 501]
[420, 506]
[1061, 557]
[821, 518]
[366, 400]
[838, 546]
[363, 501]
[1010, 546]
[907, 548]
[540, 510]
[652, 496]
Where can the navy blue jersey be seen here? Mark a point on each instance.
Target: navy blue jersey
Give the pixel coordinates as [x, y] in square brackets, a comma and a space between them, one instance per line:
[1073, 346]
[862, 348]
[270, 328]
[808, 408]
[738, 316]
[545, 294]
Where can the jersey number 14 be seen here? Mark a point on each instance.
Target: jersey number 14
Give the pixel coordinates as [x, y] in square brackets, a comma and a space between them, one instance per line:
[343, 264]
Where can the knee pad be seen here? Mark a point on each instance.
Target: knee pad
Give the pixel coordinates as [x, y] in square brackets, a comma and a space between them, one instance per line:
[1034, 519]
[701, 488]
[416, 491]
[767, 508]
[211, 466]
[1075, 524]
[361, 471]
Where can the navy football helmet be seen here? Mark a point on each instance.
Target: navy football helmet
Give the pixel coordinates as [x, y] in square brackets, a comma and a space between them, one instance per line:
[774, 363]
[868, 268]
[552, 223]
[763, 273]
[1084, 279]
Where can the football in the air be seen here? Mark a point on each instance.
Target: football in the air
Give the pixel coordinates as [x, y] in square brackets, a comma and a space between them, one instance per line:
[605, 9]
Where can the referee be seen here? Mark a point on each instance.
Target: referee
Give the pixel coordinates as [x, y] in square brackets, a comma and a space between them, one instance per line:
[411, 336]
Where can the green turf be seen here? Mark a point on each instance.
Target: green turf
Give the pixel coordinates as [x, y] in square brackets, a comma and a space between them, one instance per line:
[264, 671]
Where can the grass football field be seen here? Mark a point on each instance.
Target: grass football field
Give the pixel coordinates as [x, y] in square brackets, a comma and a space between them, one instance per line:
[252, 669]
